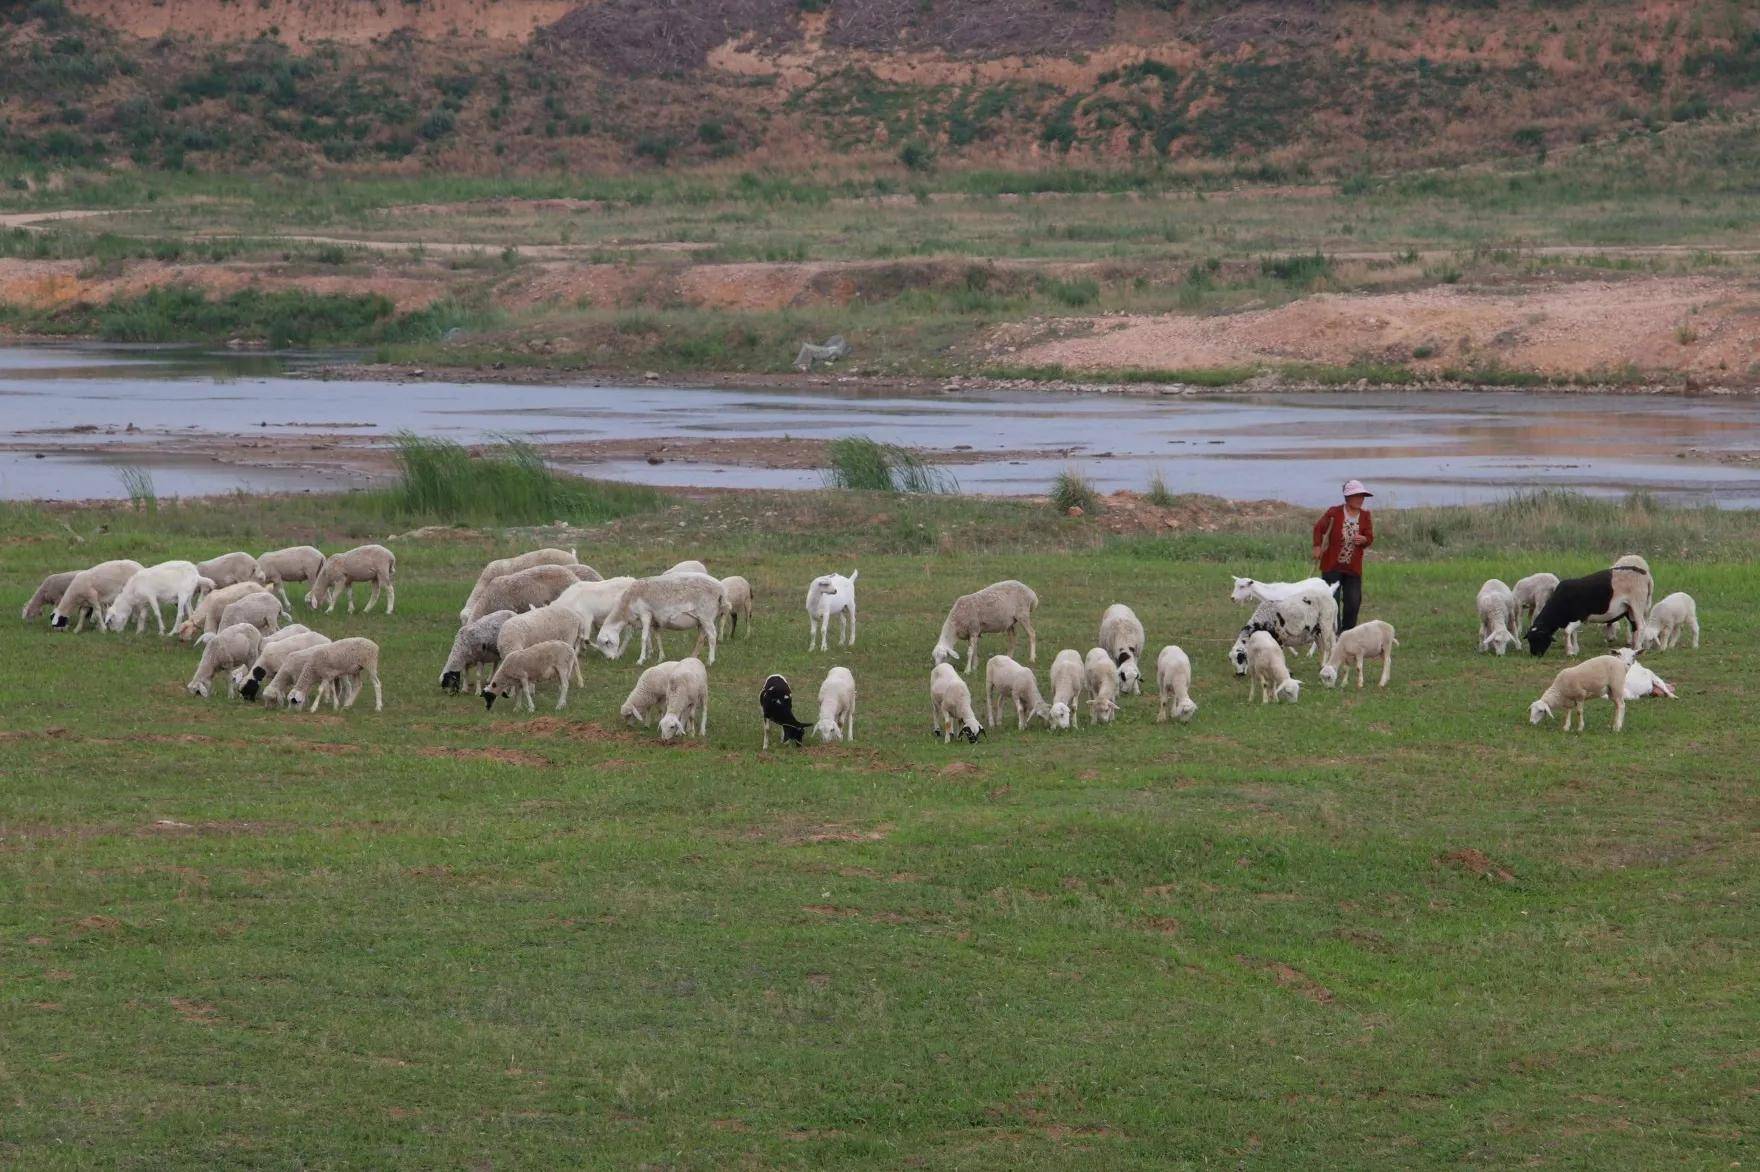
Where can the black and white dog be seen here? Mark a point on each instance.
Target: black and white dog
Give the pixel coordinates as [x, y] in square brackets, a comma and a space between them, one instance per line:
[777, 701]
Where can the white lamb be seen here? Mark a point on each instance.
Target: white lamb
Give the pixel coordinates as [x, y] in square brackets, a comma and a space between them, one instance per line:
[1069, 679]
[1531, 595]
[837, 706]
[269, 662]
[1001, 606]
[232, 648]
[1641, 682]
[525, 669]
[593, 601]
[286, 632]
[950, 706]
[296, 563]
[1371, 640]
[1173, 680]
[648, 694]
[1668, 620]
[1250, 590]
[1121, 633]
[205, 618]
[228, 569]
[1267, 668]
[341, 572]
[671, 602]
[91, 592]
[1006, 680]
[501, 567]
[1497, 617]
[281, 681]
[687, 698]
[832, 594]
[543, 625]
[528, 589]
[339, 665]
[1100, 689]
[1593, 679]
[148, 590]
[261, 610]
[738, 593]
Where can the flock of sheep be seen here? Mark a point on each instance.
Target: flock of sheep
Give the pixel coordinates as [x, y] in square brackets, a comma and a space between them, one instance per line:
[527, 618]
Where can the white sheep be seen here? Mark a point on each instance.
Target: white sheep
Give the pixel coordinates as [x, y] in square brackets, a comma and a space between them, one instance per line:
[1371, 640]
[1308, 617]
[837, 706]
[828, 595]
[231, 648]
[363, 563]
[476, 646]
[1173, 681]
[340, 665]
[1000, 606]
[525, 590]
[1250, 590]
[1531, 595]
[593, 601]
[1593, 679]
[1006, 680]
[1267, 668]
[1121, 633]
[275, 653]
[285, 632]
[148, 590]
[1069, 679]
[49, 592]
[1497, 617]
[687, 698]
[261, 610]
[204, 619]
[648, 694]
[543, 625]
[1641, 682]
[526, 668]
[296, 563]
[671, 602]
[282, 679]
[738, 594]
[228, 569]
[91, 592]
[1668, 620]
[501, 567]
[950, 705]
[688, 566]
[1100, 687]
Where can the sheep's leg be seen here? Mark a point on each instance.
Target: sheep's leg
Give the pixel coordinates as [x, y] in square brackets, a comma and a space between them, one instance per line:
[1619, 709]
[378, 695]
[530, 692]
[852, 623]
[703, 718]
[561, 689]
[990, 703]
[286, 602]
[1032, 641]
[1695, 621]
[849, 723]
[390, 596]
[766, 732]
[579, 679]
[1360, 673]
[812, 631]
[1020, 713]
[972, 653]
[643, 656]
[1386, 667]
[708, 632]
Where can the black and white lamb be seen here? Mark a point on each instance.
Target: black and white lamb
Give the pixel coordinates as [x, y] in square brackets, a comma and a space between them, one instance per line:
[776, 699]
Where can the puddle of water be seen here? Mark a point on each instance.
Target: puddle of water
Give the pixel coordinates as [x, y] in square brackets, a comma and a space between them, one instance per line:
[1414, 447]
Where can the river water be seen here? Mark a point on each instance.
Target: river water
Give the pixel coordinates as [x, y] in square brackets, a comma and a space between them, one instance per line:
[62, 405]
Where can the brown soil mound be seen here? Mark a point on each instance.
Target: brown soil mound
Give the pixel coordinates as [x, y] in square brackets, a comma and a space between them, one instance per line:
[635, 37]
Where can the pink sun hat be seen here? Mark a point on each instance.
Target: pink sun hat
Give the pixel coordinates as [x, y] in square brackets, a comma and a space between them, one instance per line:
[1355, 488]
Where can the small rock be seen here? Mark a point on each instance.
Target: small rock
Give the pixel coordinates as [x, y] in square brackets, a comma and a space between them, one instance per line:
[655, 460]
[1075, 511]
[652, 376]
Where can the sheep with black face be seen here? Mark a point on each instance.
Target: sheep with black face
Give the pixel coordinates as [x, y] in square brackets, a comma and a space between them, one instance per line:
[1602, 597]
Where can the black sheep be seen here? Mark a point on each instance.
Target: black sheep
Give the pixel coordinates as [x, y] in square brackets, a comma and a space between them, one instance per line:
[1602, 597]
[777, 701]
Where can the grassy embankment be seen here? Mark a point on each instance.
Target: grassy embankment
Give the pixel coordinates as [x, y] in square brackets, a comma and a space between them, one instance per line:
[1397, 927]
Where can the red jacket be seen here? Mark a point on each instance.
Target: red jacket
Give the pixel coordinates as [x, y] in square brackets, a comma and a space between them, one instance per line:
[1329, 540]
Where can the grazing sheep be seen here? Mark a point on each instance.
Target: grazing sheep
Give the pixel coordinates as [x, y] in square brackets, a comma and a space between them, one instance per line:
[671, 602]
[261, 610]
[687, 697]
[543, 625]
[91, 592]
[228, 569]
[1013, 682]
[287, 632]
[475, 646]
[363, 563]
[690, 566]
[296, 563]
[738, 593]
[528, 667]
[283, 678]
[524, 590]
[776, 702]
[1668, 620]
[832, 594]
[1371, 640]
[1267, 668]
[501, 567]
[1069, 679]
[275, 653]
[48, 593]
[648, 694]
[1531, 594]
[1121, 633]
[1100, 688]
[837, 706]
[205, 618]
[234, 647]
[1001, 606]
[950, 706]
[1249, 590]
[593, 601]
[148, 590]
[1603, 676]
[1602, 597]
[340, 665]
[1308, 617]
[1173, 680]
[1497, 617]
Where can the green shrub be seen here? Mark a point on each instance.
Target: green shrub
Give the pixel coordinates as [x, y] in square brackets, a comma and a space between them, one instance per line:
[508, 484]
[1072, 490]
[861, 463]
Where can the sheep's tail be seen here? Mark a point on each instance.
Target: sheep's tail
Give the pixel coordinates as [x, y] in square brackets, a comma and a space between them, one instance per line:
[205, 637]
[854, 574]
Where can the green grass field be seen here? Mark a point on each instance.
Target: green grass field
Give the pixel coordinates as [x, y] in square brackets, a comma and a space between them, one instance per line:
[1382, 928]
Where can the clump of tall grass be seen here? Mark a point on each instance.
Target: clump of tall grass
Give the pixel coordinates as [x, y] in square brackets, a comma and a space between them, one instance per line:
[507, 484]
[1158, 494]
[137, 482]
[1072, 490]
[862, 463]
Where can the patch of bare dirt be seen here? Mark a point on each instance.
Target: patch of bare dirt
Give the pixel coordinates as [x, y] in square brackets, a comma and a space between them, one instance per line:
[545, 726]
[195, 1012]
[1475, 862]
[348, 21]
[812, 833]
[498, 755]
[56, 284]
[959, 769]
[1291, 978]
[639, 37]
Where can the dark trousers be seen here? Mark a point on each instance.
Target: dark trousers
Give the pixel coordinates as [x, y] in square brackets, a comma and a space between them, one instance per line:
[1350, 596]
